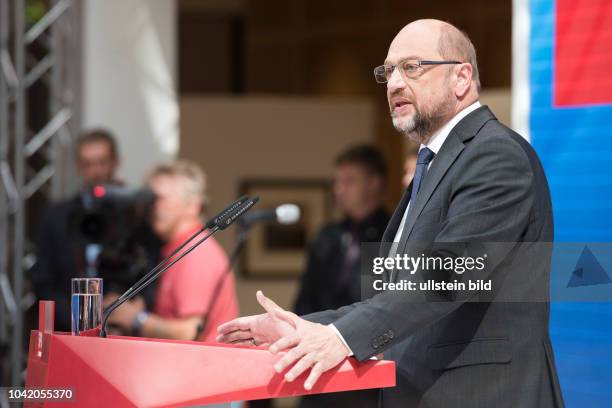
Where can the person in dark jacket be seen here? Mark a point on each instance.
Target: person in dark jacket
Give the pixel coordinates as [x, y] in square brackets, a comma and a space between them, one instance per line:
[66, 247]
[331, 279]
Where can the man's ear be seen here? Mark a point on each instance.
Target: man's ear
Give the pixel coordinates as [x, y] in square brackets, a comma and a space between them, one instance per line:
[463, 80]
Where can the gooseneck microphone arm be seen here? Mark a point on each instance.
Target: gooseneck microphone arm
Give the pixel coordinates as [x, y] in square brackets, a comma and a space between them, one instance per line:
[151, 278]
[158, 266]
[210, 224]
[223, 220]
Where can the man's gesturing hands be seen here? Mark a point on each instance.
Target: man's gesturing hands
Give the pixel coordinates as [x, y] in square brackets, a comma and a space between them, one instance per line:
[259, 330]
[310, 345]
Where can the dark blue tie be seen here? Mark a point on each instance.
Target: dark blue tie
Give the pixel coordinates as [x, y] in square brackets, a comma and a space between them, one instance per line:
[423, 159]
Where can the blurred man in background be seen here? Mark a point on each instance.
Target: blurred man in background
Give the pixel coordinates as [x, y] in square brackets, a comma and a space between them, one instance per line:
[198, 292]
[97, 157]
[331, 279]
[61, 251]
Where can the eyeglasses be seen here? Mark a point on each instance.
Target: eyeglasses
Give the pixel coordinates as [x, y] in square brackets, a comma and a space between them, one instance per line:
[410, 69]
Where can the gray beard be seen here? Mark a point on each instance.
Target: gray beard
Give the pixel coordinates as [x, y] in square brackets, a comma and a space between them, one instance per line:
[420, 128]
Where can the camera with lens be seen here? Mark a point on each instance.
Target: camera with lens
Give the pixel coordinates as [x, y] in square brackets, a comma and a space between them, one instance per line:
[116, 224]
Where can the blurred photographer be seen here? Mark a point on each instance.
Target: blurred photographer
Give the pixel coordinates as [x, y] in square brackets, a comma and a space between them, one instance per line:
[198, 292]
[100, 232]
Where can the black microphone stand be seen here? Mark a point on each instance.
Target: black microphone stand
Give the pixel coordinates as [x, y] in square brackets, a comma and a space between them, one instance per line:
[211, 223]
[243, 233]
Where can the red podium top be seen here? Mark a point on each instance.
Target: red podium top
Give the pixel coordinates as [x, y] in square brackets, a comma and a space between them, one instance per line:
[138, 372]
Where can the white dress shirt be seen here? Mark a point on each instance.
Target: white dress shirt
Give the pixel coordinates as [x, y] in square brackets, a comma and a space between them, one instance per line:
[434, 144]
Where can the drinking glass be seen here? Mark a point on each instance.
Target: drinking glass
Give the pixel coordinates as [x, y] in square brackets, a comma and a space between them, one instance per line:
[86, 303]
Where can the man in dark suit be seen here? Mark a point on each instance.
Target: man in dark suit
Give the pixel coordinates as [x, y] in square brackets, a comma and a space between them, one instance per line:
[476, 183]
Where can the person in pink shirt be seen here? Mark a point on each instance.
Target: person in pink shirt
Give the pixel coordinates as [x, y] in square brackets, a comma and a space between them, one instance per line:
[198, 292]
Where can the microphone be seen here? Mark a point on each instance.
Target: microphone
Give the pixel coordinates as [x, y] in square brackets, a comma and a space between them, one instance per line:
[228, 210]
[283, 214]
[228, 219]
[221, 221]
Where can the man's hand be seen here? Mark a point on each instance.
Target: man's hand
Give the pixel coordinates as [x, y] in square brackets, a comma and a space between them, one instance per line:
[258, 330]
[190, 327]
[312, 345]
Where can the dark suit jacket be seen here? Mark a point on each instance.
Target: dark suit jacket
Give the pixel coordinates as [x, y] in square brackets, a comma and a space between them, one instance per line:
[486, 185]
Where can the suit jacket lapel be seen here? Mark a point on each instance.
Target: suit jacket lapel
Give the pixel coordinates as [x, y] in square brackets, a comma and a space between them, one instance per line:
[467, 128]
[445, 158]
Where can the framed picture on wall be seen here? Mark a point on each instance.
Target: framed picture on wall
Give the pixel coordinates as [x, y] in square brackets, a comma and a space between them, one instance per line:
[278, 250]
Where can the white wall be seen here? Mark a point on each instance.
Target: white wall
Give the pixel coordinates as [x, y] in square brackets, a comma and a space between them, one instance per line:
[129, 78]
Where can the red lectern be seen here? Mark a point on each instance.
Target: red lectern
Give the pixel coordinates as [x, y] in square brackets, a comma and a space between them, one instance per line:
[137, 372]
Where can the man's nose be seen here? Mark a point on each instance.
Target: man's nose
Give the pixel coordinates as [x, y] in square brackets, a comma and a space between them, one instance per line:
[395, 82]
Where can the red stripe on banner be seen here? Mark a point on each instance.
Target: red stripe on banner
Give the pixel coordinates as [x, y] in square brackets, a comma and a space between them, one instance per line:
[583, 52]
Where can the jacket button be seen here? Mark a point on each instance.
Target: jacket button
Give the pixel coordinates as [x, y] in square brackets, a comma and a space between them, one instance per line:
[385, 337]
[391, 334]
[375, 344]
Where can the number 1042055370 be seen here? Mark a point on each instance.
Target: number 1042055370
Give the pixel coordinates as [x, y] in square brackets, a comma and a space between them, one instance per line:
[22, 394]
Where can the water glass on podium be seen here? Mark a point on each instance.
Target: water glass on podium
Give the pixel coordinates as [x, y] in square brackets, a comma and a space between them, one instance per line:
[86, 306]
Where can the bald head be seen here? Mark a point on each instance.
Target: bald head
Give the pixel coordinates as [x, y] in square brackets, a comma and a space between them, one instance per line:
[437, 77]
[451, 43]
[454, 44]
